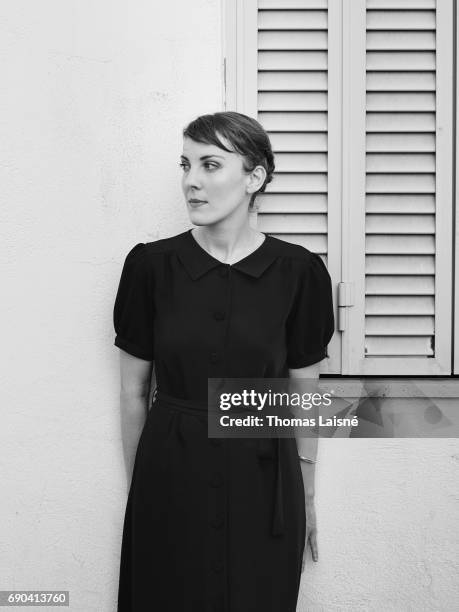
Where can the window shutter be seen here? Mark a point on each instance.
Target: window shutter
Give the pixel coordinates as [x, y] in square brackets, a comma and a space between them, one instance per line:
[406, 294]
[282, 80]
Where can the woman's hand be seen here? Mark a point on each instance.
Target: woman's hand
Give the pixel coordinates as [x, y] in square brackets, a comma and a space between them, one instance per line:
[311, 532]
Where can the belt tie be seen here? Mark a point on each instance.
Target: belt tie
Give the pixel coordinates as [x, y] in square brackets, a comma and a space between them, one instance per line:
[266, 448]
[271, 448]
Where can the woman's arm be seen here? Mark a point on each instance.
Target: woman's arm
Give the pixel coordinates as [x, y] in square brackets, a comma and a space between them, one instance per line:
[135, 381]
[307, 447]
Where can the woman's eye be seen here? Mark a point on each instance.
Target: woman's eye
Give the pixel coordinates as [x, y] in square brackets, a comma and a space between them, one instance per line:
[208, 165]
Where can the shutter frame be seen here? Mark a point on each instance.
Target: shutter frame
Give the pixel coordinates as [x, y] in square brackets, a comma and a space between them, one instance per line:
[375, 181]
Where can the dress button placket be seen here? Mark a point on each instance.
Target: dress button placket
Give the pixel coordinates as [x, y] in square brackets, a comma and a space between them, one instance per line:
[217, 489]
[217, 525]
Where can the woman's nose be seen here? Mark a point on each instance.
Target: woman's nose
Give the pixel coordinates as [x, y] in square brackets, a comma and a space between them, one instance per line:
[192, 178]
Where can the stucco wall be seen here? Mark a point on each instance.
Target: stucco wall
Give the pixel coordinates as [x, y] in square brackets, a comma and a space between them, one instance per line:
[94, 98]
[95, 95]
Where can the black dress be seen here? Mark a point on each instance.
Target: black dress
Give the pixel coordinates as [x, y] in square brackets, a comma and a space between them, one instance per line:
[215, 525]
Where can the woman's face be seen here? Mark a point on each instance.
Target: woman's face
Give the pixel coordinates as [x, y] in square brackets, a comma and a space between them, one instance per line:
[217, 179]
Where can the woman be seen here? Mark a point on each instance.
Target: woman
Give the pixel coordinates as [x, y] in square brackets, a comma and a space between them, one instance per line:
[216, 524]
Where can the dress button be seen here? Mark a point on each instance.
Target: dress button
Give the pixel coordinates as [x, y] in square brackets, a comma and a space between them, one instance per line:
[219, 316]
[216, 480]
[213, 357]
[217, 522]
[223, 272]
[217, 566]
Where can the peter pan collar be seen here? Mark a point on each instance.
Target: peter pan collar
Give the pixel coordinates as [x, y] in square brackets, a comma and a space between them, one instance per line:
[197, 261]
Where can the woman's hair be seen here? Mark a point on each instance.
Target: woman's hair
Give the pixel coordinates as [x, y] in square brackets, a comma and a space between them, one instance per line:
[245, 134]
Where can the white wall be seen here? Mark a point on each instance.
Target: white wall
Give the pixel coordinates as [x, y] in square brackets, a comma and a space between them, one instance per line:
[388, 527]
[95, 97]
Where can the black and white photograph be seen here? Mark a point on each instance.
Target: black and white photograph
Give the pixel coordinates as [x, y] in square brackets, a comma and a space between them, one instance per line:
[230, 245]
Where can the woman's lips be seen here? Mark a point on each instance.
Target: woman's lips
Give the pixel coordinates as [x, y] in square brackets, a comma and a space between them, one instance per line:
[196, 204]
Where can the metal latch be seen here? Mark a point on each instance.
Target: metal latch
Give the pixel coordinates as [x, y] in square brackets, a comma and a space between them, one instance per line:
[345, 299]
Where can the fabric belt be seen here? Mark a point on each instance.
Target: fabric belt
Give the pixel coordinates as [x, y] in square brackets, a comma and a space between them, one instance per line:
[266, 448]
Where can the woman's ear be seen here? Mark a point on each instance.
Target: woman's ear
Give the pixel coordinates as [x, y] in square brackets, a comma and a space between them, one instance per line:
[256, 179]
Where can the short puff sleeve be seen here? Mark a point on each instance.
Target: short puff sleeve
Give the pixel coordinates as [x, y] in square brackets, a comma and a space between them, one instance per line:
[133, 312]
[310, 324]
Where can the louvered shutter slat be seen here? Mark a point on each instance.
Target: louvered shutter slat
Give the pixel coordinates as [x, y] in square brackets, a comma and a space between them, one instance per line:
[292, 81]
[397, 285]
[398, 102]
[290, 203]
[388, 162]
[398, 346]
[294, 122]
[398, 326]
[296, 183]
[291, 20]
[394, 305]
[402, 143]
[400, 20]
[297, 162]
[398, 264]
[400, 40]
[294, 223]
[400, 122]
[402, 60]
[269, 40]
[292, 101]
[400, 4]
[380, 202]
[292, 4]
[400, 183]
[292, 60]
[308, 141]
[400, 81]
[401, 244]
[400, 224]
